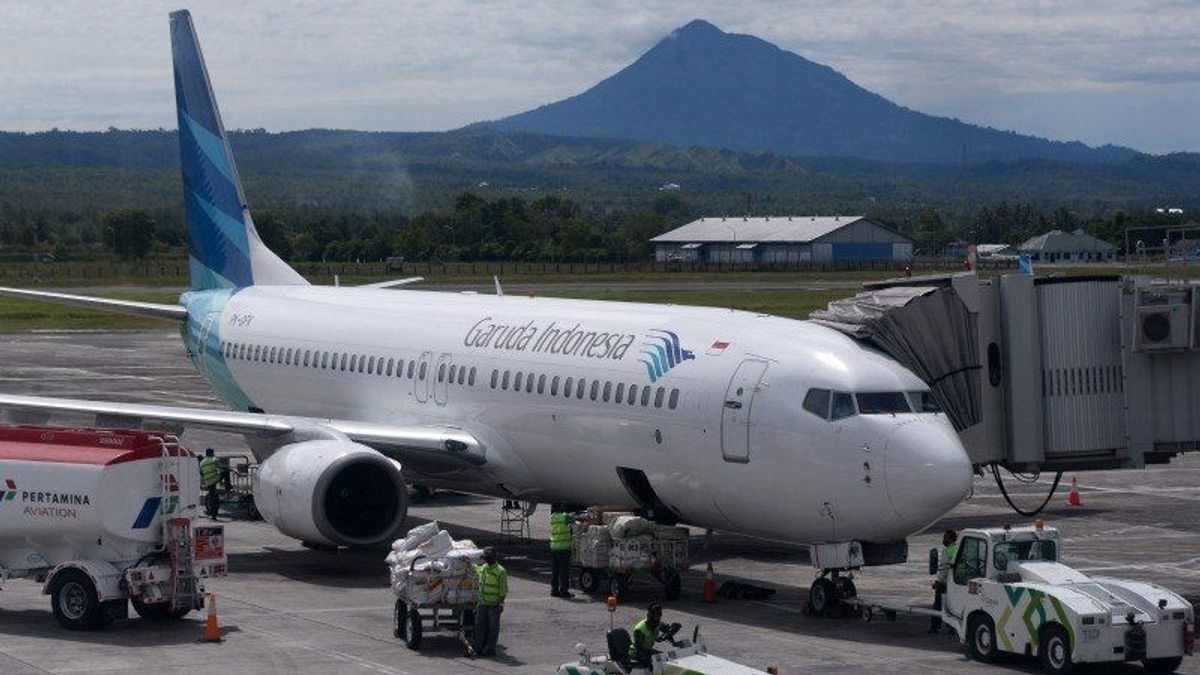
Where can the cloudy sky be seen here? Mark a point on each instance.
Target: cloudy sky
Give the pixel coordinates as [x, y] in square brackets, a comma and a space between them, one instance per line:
[1101, 71]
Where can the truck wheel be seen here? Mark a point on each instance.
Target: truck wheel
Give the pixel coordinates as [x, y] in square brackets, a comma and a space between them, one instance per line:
[1162, 665]
[822, 597]
[157, 611]
[981, 638]
[412, 631]
[589, 580]
[74, 599]
[1055, 649]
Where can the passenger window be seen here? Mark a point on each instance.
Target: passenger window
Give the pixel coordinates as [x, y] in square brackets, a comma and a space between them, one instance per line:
[517, 381]
[843, 405]
[620, 392]
[271, 355]
[453, 373]
[342, 359]
[816, 401]
[554, 386]
[371, 366]
[504, 381]
[542, 383]
[424, 369]
[442, 372]
[645, 396]
[582, 384]
[307, 355]
[257, 352]
[495, 374]
[391, 366]
[633, 394]
[567, 387]
[411, 365]
[471, 379]
[674, 400]
[462, 373]
[529, 384]
[353, 362]
[324, 359]
[287, 360]
[658, 397]
[971, 561]
[607, 391]
[595, 390]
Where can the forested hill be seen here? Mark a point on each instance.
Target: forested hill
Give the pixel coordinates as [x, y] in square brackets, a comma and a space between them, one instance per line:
[95, 171]
[702, 86]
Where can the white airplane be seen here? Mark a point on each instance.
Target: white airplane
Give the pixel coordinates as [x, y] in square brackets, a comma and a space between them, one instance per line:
[723, 419]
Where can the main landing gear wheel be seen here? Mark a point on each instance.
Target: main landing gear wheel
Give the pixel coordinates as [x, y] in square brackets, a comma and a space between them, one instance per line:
[822, 597]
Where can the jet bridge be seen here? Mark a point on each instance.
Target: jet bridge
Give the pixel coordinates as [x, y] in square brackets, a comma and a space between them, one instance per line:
[1050, 373]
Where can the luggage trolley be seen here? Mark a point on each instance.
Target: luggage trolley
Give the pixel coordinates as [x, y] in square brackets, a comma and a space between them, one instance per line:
[414, 618]
[662, 559]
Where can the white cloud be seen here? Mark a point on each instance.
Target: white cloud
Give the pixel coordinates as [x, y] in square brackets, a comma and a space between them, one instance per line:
[1099, 70]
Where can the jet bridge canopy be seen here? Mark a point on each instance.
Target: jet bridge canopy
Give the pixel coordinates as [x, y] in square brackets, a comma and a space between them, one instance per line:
[1056, 373]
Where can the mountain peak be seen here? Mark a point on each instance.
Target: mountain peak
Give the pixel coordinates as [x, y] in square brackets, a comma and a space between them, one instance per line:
[697, 28]
[701, 86]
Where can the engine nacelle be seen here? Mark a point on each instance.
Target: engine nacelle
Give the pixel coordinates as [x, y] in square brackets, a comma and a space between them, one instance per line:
[332, 492]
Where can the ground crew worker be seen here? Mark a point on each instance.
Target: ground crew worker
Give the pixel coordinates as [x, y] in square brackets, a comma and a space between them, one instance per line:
[945, 564]
[645, 634]
[492, 581]
[210, 476]
[560, 552]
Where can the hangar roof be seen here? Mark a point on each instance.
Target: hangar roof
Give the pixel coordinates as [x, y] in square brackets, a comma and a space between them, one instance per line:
[764, 229]
[1057, 241]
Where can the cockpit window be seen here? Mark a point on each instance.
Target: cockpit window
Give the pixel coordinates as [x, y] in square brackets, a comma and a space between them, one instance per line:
[924, 402]
[816, 401]
[883, 403]
[843, 406]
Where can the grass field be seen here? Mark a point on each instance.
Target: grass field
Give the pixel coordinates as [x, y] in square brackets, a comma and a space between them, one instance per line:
[24, 315]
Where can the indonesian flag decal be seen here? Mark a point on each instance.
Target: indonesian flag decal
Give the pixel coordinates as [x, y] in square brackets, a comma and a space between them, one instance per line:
[717, 348]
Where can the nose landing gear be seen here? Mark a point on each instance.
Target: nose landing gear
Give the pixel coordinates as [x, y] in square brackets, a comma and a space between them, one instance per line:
[830, 591]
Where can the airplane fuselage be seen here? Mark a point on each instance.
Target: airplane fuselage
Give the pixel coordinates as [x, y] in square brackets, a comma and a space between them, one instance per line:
[588, 402]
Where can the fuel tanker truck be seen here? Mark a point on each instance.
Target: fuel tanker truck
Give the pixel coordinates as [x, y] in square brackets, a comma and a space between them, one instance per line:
[104, 519]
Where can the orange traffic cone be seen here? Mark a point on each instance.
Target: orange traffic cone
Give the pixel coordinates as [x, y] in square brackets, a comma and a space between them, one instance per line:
[710, 585]
[212, 629]
[1073, 496]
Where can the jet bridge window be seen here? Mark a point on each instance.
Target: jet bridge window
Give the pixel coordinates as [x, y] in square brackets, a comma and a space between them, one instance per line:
[843, 406]
[816, 401]
[883, 403]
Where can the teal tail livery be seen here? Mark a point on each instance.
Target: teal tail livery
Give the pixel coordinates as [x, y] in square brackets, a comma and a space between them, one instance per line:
[224, 250]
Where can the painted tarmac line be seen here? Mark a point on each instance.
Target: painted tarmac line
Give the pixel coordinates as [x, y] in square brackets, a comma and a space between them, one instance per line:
[281, 638]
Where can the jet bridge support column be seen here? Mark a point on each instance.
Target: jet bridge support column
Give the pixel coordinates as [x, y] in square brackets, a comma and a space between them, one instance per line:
[1022, 364]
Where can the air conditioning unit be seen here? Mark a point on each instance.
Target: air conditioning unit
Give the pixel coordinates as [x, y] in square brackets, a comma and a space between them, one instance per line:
[1164, 319]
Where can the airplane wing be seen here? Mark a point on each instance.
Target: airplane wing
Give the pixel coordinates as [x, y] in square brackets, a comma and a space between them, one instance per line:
[150, 309]
[421, 448]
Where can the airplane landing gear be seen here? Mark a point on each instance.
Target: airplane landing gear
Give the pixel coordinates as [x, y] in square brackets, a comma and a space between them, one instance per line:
[830, 591]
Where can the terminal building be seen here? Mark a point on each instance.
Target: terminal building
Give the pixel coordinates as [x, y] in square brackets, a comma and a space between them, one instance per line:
[1059, 246]
[782, 239]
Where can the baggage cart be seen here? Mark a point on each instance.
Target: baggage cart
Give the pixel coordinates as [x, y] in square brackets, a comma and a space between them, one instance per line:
[662, 559]
[418, 613]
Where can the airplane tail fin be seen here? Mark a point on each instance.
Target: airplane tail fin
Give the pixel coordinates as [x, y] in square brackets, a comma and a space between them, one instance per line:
[224, 249]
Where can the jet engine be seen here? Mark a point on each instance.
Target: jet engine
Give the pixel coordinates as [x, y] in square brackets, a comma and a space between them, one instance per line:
[332, 492]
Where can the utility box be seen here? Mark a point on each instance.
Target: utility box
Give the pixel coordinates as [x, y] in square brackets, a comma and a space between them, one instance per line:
[1053, 373]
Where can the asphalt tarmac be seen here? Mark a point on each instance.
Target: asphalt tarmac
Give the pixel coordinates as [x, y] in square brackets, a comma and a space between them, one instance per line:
[285, 609]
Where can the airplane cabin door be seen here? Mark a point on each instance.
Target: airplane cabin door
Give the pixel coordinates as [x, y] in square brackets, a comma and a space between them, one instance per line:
[423, 376]
[735, 415]
[441, 385]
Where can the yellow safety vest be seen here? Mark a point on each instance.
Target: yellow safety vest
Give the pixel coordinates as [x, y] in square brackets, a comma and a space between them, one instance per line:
[643, 640]
[493, 584]
[560, 531]
[210, 472]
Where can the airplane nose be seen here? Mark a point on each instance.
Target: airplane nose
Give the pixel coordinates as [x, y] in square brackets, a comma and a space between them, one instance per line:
[927, 472]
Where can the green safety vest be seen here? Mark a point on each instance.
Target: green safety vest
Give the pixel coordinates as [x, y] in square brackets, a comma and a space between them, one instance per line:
[560, 531]
[643, 640]
[949, 552]
[493, 584]
[210, 472]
